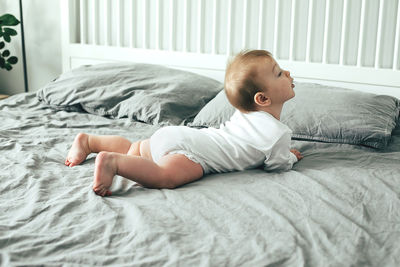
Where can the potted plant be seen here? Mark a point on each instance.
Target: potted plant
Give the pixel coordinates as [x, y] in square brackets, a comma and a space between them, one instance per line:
[6, 59]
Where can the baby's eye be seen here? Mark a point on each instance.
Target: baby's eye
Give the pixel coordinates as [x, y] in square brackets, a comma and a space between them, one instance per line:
[280, 73]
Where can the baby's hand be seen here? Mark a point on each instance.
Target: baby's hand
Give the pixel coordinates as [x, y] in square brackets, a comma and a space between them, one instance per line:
[297, 154]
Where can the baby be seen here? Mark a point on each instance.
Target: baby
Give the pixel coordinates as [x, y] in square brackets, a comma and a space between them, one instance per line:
[175, 155]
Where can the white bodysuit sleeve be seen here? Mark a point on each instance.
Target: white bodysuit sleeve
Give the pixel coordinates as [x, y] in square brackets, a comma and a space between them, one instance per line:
[280, 159]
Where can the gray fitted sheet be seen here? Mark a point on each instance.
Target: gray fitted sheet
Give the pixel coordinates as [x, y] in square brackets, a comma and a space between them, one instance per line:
[339, 206]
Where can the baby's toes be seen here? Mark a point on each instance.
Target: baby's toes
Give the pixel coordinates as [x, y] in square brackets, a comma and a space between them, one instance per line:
[98, 189]
[101, 192]
[72, 162]
[104, 192]
[68, 162]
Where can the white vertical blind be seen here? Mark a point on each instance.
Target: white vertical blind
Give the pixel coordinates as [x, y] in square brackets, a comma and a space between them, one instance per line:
[379, 36]
[172, 25]
[276, 28]
[343, 38]
[214, 27]
[292, 29]
[309, 29]
[158, 21]
[144, 23]
[244, 24]
[83, 21]
[119, 22]
[361, 35]
[397, 40]
[200, 26]
[107, 24]
[186, 28]
[229, 29]
[260, 23]
[132, 22]
[95, 23]
[326, 32]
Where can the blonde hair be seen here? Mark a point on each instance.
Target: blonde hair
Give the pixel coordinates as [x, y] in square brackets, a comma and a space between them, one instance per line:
[240, 79]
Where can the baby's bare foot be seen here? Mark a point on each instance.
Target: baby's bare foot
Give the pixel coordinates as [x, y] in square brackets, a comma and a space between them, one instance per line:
[79, 150]
[104, 173]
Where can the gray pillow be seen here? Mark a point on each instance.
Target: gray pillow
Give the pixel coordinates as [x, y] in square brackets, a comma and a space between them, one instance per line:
[144, 92]
[324, 113]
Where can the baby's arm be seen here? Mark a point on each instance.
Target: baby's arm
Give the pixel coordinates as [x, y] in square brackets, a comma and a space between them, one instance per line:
[282, 157]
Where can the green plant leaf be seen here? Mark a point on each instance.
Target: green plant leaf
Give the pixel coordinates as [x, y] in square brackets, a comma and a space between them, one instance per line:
[6, 53]
[7, 38]
[12, 60]
[10, 31]
[8, 20]
[6, 60]
[8, 67]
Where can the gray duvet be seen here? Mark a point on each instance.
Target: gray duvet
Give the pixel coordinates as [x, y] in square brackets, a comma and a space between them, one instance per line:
[339, 206]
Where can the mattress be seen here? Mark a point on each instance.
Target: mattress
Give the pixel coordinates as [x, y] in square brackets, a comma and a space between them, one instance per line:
[339, 206]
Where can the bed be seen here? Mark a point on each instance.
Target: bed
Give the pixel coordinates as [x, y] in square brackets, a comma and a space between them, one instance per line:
[338, 206]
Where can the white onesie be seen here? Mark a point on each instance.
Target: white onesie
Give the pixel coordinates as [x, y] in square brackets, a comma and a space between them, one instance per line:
[244, 142]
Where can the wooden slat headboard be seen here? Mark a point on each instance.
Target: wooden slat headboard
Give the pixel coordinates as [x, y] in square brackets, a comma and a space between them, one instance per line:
[346, 43]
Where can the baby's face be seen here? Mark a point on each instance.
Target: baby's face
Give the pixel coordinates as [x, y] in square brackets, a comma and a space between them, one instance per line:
[278, 81]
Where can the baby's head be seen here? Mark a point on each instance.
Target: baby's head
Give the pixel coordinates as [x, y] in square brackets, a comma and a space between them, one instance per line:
[254, 81]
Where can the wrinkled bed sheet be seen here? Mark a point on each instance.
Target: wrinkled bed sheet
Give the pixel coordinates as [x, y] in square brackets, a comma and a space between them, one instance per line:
[339, 206]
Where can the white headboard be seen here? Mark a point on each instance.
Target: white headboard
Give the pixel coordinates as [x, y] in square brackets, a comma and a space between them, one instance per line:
[346, 43]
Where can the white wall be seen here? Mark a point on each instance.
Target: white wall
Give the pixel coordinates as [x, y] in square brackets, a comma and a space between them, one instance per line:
[42, 44]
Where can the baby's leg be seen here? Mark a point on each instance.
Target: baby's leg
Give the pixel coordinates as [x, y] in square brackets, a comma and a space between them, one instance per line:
[84, 144]
[172, 171]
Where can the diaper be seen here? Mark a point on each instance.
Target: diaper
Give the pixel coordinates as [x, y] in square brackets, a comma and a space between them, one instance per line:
[176, 140]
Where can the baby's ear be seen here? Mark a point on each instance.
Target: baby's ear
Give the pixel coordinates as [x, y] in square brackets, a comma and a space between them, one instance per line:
[261, 99]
